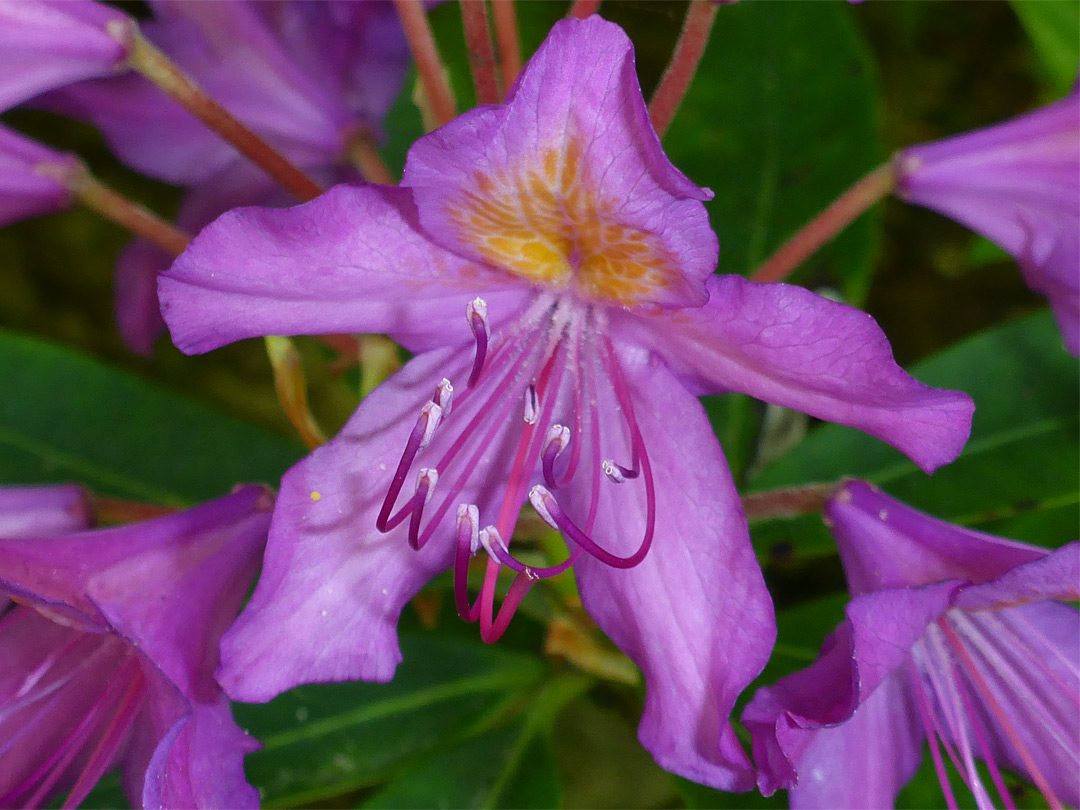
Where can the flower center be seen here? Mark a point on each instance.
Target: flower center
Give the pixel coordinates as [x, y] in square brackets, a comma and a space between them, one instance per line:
[557, 360]
[544, 222]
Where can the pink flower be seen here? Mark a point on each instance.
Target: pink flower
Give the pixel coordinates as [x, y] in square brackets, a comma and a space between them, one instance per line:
[109, 655]
[552, 272]
[952, 636]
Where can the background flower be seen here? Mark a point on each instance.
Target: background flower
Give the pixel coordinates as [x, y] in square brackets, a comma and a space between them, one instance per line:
[110, 653]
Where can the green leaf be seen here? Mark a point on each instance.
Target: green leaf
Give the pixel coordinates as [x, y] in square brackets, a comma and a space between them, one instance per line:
[329, 740]
[778, 132]
[1054, 29]
[513, 765]
[1020, 472]
[70, 418]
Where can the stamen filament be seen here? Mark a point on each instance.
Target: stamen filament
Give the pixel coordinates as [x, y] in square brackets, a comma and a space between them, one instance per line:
[558, 436]
[476, 314]
[930, 728]
[495, 547]
[999, 713]
[112, 738]
[425, 488]
[984, 745]
[430, 415]
[1004, 667]
[548, 508]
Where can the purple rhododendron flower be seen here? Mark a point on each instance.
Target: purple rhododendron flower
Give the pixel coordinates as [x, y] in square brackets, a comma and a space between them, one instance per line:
[552, 272]
[30, 183]
[306, 77]
[954, 636]
[109, 657]
[50, 43]
[1017, 184]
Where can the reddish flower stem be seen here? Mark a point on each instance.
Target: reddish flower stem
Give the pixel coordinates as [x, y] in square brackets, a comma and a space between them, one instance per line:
[504, 14]
[429, 64]
[365, 156]
[474, 17]
[115, 207]
[159, 69]
[820, 230]
[684, 61]
[583, 8]
[787, 502]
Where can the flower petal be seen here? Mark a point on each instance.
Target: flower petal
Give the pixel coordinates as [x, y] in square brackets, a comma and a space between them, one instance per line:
[52, 676]
[1055, 276]
[1055, 576]
[135, 300]
[189, 588]
[694, 615]
[41, 511]
[788, 346]
[349, 261]
[332, 587]
[864, 762]
[884, 543]
[567, 181]
[863, 653]
[199, 763]
[49, 43]
[1017, 183]
[24, 190]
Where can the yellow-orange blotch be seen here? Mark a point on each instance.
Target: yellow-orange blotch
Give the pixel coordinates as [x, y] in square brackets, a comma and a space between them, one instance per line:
[543, 223]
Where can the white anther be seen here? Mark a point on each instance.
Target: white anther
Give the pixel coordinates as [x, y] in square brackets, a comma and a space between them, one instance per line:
[432, 415]
[490, 537]
[477, 308]
[558, 435]
[532, 575]
[444, 395]
[469, 515]
[612, 471]
[428, 477]
[541, 500]
[532, 405]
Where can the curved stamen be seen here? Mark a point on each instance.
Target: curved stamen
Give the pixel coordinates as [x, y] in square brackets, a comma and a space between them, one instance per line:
[426, 480]
[617, 472]
[532, 405]
[493, 544]
[422, 433]
[558, 437]
[444, 396]
[548, 508]
[491, 630]
[468, 543]
[477, 315]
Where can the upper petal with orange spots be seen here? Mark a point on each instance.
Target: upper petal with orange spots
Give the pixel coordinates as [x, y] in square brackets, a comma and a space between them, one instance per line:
[566, 185]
